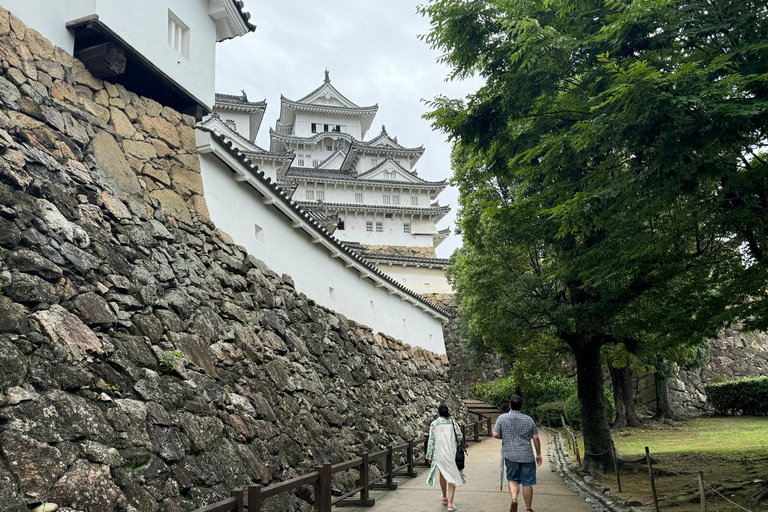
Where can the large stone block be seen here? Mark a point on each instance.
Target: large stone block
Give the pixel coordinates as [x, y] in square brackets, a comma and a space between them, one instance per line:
[111, 170]
[186, 182]
[37, 465]
[40, 47]
[160, 128]
[172, 204]
[5, 22]
[67, 330]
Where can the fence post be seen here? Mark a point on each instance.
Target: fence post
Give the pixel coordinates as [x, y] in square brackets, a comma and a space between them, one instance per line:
[490, 432]
[477, 430]
[323, 489]
[254, 498]
[390, 466]
[653, 483]
[616, 465]
[702, 493]
[365, 478]
[411, 469]
[576, 446]
[238, 495]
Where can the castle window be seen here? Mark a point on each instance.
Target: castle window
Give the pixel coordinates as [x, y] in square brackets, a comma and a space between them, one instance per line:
[387, 199]
[331, 293]
[395, 199]
[328, 148]
[358, 198]
[301, 146]
[379, 227]
[414, 201]
[315, 163]
[300, 162]
[314, 127]
[325, 127]
[178, 34]
[259, 232]
[340, 225]
[369, 226]
[320, 195]
[406, 227]
[310, 194]
[338, 127]
[374, 161]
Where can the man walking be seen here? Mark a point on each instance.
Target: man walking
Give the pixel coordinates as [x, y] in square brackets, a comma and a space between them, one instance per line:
[516, 430]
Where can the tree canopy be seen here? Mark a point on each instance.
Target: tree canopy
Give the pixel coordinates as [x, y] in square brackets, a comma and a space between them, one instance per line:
[612, 172]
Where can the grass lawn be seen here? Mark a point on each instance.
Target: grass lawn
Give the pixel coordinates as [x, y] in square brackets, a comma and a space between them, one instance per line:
[732, 452]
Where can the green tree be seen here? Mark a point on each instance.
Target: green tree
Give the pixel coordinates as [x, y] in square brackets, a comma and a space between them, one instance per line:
[615, 154]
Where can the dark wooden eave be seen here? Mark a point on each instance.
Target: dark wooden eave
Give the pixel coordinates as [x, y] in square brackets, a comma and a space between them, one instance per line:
[141, 75]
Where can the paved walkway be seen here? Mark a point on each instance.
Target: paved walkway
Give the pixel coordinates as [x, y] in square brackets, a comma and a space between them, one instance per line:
[481, 493]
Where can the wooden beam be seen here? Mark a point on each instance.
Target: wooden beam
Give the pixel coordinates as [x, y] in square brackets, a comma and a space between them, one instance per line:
[103, 60]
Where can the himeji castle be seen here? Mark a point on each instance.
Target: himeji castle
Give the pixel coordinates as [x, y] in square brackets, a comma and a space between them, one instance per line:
[366, 192]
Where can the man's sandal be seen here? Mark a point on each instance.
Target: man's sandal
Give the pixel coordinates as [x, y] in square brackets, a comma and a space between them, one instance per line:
[513, 506]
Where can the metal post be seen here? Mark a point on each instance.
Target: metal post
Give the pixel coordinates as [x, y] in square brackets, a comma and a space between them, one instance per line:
[254, 498]
[702, 493]
[653, 483]
[616, 465]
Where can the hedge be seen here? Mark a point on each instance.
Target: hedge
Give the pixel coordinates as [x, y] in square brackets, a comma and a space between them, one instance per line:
[746, 396]
[536, 392]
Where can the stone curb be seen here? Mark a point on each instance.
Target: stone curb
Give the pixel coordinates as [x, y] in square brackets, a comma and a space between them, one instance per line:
[598, 497]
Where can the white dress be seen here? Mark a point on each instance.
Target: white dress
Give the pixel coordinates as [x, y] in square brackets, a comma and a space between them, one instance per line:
[441, 449]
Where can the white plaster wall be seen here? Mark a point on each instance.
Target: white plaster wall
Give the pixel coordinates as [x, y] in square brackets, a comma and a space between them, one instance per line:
[354, 230]
[144, 26]
[419, 279]
[235, 208]
[302, 126]
[242, 121]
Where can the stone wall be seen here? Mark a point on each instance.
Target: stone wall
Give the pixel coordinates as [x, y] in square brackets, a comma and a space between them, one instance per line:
[146, 362]
[466, 369]
[735, 355]
[402, 250]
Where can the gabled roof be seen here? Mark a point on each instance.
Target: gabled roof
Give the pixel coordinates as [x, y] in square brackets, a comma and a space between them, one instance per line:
[311, 103]
[255, 109]
[333, 161]
[293, 210]
[230, 18]
[275, 135]
[382, 144]
[393, 165]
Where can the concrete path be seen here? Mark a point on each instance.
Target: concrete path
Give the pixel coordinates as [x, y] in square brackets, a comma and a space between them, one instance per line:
[481, 493]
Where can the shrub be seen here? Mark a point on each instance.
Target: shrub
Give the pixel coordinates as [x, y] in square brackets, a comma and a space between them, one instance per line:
[549, 414]
[536, 392]
[573, 409]
[746, 396]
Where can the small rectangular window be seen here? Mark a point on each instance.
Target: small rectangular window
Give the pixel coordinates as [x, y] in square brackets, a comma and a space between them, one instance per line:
[405, 325]
[379, 227]
[178, 34]
[369, 226]
[414, 201]
[406, 227]
[358, 198]
[300, 162]
[331, 293]
[340, 225]
[301, 146]
[325, 127]
[374, 161]
[259, 232]
[328, 148]
[338, 127]
[393, 176]
[320, 195]
[315, 163]
[386, 199]
[310, 194]
[372, 306]
[395, 199]
[314, 127]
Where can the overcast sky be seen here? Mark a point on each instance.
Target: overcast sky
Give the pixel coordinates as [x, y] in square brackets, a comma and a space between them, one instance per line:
[373, 53]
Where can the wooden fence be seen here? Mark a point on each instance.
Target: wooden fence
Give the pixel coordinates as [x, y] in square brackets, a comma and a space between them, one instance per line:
[320, 479]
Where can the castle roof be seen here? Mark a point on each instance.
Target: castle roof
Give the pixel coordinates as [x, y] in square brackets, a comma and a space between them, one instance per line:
[240, 103]
[317, 102]
[294, 210]
[318, 174]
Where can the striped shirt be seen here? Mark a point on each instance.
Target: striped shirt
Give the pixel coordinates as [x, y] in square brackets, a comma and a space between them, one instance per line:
[517, 430]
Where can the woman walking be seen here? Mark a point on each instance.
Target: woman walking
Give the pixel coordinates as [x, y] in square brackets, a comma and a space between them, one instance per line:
[444, 436]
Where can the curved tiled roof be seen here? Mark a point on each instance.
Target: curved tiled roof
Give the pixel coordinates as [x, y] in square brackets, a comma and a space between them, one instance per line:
[437, 210]
[241, 100]
[394, 258]
[246, 16]
[348, 176]
[308, 218]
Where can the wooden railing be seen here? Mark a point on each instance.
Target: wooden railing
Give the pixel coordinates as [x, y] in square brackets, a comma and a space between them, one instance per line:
[320, 479]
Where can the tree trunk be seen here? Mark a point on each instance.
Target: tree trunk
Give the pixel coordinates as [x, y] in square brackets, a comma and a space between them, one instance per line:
[624, 397]
[618, 398]
[597, 434]
[662, 400]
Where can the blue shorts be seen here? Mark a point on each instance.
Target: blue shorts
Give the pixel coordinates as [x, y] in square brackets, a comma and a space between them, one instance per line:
[524, 473]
